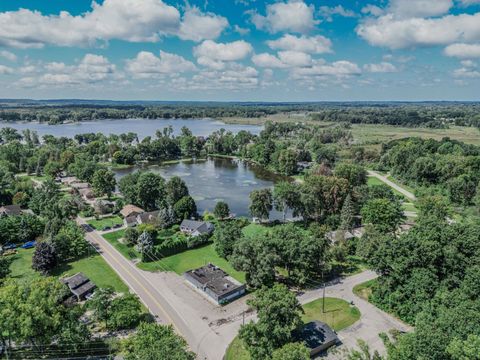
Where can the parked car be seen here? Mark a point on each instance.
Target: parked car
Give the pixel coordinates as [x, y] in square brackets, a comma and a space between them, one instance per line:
[10, 246]
[29, 245]
[107, 228]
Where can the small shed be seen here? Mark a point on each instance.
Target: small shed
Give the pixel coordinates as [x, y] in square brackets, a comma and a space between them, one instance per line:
[317, 336]
[80, 286]
[10, 210]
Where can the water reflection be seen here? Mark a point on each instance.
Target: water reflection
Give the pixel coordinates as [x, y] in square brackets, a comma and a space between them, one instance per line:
[217, 179]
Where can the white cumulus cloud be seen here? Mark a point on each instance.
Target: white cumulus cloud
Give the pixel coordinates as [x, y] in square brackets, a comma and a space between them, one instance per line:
[464, 51]
[147, 64]
[198, 26]
[129, 20]
[419, 8]
[8, 55]
[295, 16]
[383, 67]
[212, 54]
[5, 70]
[308, 44]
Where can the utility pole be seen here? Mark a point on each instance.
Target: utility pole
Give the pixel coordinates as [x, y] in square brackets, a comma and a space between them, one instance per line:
[323, 301]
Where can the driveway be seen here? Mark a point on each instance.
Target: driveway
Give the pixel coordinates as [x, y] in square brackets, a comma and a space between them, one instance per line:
[384, 179]
[208, 328]
[373, 321]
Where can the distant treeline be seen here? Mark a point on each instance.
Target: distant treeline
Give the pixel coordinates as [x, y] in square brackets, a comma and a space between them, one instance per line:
[436, 115]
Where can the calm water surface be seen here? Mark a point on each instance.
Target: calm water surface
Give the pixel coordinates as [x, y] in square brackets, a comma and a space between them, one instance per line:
[218, 179]
[143, 127]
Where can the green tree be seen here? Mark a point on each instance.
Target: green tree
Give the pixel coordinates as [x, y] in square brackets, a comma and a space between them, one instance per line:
[279, 314]
[5, 263]
[52, 169]
[125, 312]
[225, 236]
[468, 349]
[70, 243]
[286, 196]
[150, 190]
[383, 214]
[261, 203]
[348, 213]
[103, 182]
[101, 304]
[32, 312]
[185, 208]
[363, 353]
[292, 351]
[286, 163]
[355, 174]
[221, 211]
[256, 259]
[131, 236]
[44, 258]
[175, 189]
[145, 244]
[156, 342]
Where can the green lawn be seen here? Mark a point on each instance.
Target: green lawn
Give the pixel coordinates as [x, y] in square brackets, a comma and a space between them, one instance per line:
[192, 259]
[237, 351]
[409, 207]
[94, 267]
[372, 181]
[253, 230]
[338, 314]
[106, 221]
[128, 251]
[364, 290]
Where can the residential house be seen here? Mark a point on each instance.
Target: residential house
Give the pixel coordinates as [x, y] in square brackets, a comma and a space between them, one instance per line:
[80, 286]
[150, 217]
[86, 193]
[103, 206]
[196, 228]
[317, 336]
[345, 235]
[215, 283]
[10, 210]
[131, 210]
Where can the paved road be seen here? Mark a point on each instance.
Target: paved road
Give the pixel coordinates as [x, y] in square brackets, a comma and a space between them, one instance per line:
[373, 320]
[407, 193]
[152, 297]
[208, 328]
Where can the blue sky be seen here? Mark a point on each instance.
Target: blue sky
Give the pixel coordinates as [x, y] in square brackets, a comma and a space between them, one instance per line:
[240, 50]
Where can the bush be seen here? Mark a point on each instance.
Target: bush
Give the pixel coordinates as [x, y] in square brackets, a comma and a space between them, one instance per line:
[195, 241]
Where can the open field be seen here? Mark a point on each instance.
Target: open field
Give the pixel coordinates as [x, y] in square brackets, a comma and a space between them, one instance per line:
[373, 133]
[253, 230]
[94, 267]
[106, 221]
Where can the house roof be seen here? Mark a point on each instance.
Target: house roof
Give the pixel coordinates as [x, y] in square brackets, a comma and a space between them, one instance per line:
[79, 186]
[215, 279]
[193, 225]
[79, 284]
[148, 217]
[131, 219]
[131, 209]
[315, 334]
[11, 210]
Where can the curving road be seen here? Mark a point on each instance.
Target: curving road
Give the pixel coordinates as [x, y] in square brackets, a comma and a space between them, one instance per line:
[208, 328]
[373, 321]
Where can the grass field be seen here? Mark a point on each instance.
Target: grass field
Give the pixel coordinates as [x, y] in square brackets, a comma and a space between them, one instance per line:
[373, 181]
[128, 251]
[106, 221]
[364, 290]
[253, 230]
[192, 259]
[338, 314]
[94, 267]
[237, 351]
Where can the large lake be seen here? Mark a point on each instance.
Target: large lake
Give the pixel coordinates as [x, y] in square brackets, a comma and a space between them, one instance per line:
[218, 179]
[143, 127]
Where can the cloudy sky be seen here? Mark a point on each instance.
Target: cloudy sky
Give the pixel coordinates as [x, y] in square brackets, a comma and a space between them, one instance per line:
[254, 50]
